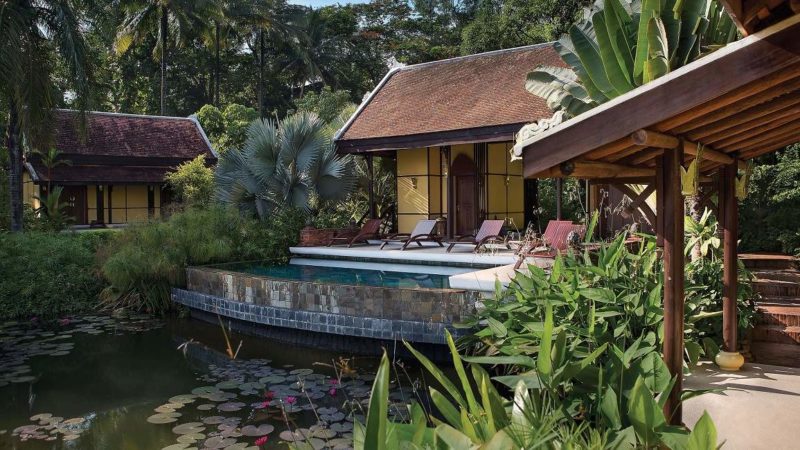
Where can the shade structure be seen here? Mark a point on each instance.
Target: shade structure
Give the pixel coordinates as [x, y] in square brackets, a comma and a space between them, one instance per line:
[726, 108]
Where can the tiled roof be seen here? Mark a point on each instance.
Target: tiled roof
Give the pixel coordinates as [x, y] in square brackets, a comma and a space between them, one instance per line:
[129, 135]
[122, 148]
[482, 90]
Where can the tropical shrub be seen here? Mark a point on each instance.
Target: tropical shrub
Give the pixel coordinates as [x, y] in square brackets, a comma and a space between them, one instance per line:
[288, 164]
[193, 183]
[622, 44]
[770, 214]
[145, 261]
[567, 400]
[327, 104]
[226, 129]
[613, 297]
[48, 275]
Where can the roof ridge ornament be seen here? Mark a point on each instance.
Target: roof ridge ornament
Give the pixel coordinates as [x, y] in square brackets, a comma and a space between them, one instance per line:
[533, 129]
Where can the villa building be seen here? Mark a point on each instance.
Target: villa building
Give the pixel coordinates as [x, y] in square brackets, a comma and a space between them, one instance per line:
[113, 173]
[451, 125]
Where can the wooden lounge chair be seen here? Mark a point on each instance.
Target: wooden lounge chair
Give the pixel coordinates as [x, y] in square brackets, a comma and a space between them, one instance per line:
[424, 231]
[370, 230]
[554, 244]
[489, 233]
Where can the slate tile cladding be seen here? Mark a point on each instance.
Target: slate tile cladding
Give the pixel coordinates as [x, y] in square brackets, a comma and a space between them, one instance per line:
[417, 315]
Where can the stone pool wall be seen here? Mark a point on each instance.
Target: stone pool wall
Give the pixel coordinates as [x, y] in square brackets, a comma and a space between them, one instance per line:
[417, 315]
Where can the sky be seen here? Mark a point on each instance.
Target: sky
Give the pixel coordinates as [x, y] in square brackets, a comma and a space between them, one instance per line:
[319, 3]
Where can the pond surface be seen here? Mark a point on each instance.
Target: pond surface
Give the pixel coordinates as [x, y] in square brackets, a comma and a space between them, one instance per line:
[135, 383]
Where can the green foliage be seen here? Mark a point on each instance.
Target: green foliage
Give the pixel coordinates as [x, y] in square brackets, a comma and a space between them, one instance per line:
[327, 104]
[226, 129]
[770, 214]
[193, 183]
[289, 164]
[622, 44]
[144, 262]
[51, 215]
[48, 274]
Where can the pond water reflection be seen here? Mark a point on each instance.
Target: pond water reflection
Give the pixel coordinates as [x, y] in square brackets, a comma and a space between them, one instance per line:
[102, 383]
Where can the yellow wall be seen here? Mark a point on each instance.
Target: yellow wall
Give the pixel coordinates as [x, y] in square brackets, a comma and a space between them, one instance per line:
[29, 191]
[502, 180]
[128, 203]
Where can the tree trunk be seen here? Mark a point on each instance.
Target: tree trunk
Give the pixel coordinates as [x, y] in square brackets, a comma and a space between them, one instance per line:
[164, 27]
[216, 65]
[15, 167]
[261, 73]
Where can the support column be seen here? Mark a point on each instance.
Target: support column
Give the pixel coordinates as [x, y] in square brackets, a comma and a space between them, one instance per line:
[451, 208]
[559, 197]
[729, 358]
[371, 188]
[671, 233]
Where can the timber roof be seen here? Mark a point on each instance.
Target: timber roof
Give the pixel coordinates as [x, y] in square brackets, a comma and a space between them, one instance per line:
[121, 148]
[472, 98]
[739, 102]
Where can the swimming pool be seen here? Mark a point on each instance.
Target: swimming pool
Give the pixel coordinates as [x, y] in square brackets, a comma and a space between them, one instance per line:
[403, 277]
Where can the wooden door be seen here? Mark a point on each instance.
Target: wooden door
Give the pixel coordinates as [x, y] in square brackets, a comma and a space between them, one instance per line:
[74, 198]
[466, 216]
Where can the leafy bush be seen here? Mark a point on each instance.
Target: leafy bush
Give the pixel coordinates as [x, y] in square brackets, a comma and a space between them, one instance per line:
[193, 183]
[144, 262]
[49, 274]
[226, 129]
[327, 104]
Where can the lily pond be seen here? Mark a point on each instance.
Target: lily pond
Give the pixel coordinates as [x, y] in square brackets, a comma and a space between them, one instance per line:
[97, 382]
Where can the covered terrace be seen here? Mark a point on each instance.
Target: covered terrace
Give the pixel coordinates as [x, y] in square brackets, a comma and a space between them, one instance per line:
[731, 106]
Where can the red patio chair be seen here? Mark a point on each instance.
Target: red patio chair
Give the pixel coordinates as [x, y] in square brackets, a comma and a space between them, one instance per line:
[424, 231]
[489, 233]
[370, 230]
[554, 244]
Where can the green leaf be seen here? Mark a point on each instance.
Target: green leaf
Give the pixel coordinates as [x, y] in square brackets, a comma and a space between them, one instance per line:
[375, 436]
[497, 327]
[704, 434]
[544, 363]
[618, 79]
[466, 387]
[589, 54]
[644, 413]
[609, 408]
[516, 360]
[449, 438]
[446, 409]
[657, 63]
[650, 9]
[602, 295]
[440, 377]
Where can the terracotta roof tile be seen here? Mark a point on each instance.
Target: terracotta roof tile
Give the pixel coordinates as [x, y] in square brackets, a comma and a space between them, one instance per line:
[129, 135]
[474, 91]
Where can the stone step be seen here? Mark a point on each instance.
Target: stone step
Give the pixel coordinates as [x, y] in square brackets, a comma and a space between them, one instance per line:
[779, 314]
[777, 288]
[776, 333]
[775, 353]
[768, 261]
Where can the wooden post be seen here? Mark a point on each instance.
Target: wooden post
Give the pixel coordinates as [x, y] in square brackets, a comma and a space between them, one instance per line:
[371, 188]
[451, 208]
[559, 197]
[671, 233]
[729, 358]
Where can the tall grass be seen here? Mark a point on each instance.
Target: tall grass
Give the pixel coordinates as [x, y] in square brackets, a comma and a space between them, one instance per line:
[145, 261]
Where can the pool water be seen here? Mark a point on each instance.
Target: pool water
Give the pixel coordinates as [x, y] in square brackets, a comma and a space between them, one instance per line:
[97, 382]
[345, 275]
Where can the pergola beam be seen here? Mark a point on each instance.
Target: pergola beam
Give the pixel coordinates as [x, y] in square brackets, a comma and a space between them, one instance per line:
[664, 141]
[746, 116]
[594, 169]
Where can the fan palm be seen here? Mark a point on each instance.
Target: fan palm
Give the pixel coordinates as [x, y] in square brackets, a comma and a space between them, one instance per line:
[291, 163]
[180, 18]
[33, 35]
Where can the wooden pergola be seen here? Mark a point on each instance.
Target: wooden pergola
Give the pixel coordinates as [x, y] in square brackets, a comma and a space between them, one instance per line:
[737, 103]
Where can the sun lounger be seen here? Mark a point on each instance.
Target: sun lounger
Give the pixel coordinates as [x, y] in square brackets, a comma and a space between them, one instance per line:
[489, 233]
[370, 230]
[424, 231]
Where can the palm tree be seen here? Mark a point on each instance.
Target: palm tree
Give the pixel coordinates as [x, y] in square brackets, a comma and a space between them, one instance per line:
[313, 52]
[291, 163]
[33, 35]
[179, 17]
[270, 19]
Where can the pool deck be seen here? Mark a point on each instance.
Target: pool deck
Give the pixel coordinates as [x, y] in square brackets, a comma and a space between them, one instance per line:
[468, 270]
[758, 410]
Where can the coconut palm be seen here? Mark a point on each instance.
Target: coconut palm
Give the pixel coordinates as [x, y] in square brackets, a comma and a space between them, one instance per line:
[183, 19]
[311, 55]
[291, 163]
[33, 36]
[623, 44]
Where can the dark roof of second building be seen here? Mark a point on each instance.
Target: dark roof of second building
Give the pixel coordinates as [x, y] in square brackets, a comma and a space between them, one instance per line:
[468, 92]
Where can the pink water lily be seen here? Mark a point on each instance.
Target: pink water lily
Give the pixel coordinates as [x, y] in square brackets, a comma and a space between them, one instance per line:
[263, 405]
[332, 391]
[269, 395]
[291, 400]
[262, 441]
